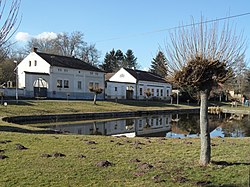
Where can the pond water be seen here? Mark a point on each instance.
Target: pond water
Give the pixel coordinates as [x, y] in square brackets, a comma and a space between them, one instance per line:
[167, 125]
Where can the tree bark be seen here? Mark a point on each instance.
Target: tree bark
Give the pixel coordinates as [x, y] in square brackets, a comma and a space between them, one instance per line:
[95, 98]
[205, 153]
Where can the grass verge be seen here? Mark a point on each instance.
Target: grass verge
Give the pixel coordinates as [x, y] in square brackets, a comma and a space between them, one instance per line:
[134, 162]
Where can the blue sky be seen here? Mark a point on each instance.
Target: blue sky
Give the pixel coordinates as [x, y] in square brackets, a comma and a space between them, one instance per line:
[103, 20]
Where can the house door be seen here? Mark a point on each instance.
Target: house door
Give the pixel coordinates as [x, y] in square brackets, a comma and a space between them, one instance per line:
[129, 94]
[40, 88]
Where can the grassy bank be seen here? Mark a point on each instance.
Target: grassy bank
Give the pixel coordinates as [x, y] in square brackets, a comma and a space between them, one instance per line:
[169, 162]
[62, 107]
[71, 160]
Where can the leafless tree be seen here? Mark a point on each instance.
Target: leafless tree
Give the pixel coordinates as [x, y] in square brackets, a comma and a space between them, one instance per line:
[202, 56]
[90, 55]
[8, 21]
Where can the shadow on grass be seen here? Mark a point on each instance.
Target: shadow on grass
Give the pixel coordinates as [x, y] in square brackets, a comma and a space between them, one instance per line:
[225, 163]
[22, 130]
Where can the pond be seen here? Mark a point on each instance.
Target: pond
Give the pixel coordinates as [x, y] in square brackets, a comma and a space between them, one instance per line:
[166, 125]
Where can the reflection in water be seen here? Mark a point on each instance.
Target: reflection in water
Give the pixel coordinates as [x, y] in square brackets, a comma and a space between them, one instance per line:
[168, 125]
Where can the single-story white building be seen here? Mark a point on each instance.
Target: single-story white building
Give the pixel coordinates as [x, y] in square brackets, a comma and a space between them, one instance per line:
[136, 84]
[55, 76]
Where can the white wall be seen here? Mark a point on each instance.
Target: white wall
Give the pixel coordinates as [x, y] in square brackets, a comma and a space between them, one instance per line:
[32, 63]
[120, 81]
[73, 76]
[117, 90]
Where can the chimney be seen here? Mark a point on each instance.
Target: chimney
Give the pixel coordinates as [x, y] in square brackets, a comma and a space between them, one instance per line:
[34, 49]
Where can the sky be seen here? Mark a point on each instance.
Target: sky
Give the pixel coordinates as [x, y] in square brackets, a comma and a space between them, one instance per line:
[140, 25]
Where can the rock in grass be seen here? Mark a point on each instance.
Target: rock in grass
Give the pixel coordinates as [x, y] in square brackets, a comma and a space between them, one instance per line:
[58, 155]
[157, 179]
[179, 179]
[135, 160]
[145, 166]
[20, 147]
[46, 155]
[119, 143]
[81, 156]
[91, 142]
[139, 173]
[104, 163]
[203, 183]
[5, 141]
[3, 157]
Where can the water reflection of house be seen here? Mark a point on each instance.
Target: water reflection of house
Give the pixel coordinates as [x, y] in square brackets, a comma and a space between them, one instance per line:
[143, 126]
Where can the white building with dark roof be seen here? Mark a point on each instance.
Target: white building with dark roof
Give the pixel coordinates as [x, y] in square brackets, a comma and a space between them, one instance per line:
[54, 76]
[133, 84]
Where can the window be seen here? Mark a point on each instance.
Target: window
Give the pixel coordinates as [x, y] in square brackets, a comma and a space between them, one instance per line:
[79, 85]
[115, 89]
[140, 91]
[157, 92]
[160, 121]
[167, 92]
[161, 92]
[96, 73]
[91, 73]
[152, 122]
[152, 92]
[29, 63]
[140, 123]
[65, 70]
[66, 84]
[59, 69]
[59, 83]
[35, 62]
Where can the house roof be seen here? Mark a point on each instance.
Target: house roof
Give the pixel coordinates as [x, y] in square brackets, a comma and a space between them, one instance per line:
[145, 76]
[108, 76]
[67, 62]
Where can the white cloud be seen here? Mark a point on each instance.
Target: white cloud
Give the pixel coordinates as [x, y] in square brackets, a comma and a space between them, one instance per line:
[22, 36]
[46, 35]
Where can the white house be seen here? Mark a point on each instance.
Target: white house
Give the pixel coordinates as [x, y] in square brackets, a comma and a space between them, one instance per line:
[133, 84]
[54, 76]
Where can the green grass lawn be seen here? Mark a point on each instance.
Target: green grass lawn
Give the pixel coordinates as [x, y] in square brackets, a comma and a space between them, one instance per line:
[60, 107]
[169, 162]
[174, 161]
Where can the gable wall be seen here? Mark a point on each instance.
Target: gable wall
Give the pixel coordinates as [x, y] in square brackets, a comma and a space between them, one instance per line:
[28, 64]
[123, 76]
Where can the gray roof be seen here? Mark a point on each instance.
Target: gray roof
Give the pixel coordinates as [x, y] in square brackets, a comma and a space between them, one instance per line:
[145, 76]
[67, 62]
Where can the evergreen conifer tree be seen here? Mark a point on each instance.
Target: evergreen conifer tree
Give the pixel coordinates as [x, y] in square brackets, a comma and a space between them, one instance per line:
[130, 59]
[159, 65]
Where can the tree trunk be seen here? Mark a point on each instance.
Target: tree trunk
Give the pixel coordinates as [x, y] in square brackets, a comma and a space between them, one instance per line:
[205, 154]
[95, 98]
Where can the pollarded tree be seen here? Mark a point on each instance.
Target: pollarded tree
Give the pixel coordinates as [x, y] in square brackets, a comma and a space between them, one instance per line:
[201, 56]
[159, 65]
